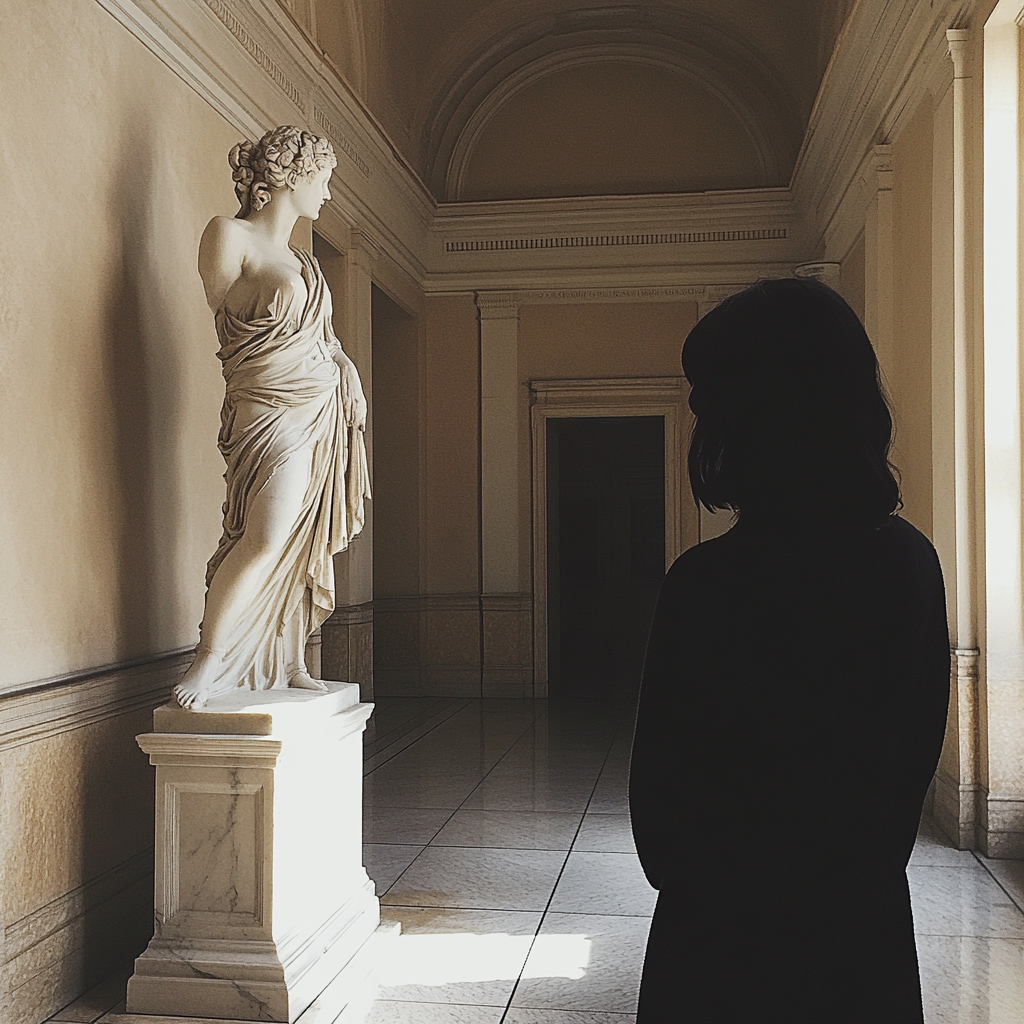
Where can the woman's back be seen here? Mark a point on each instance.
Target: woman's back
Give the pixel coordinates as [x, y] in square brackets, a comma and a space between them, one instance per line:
[792, 711]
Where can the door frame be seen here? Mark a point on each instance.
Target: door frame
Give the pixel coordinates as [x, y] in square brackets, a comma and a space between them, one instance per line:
[611, 397]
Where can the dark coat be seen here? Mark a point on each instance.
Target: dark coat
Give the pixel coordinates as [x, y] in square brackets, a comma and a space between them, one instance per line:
[791, 716]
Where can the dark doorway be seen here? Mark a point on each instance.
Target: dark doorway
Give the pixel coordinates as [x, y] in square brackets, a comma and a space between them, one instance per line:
[606, 549]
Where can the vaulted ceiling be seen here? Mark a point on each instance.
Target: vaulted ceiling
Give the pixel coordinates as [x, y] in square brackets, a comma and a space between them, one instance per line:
[513, 99]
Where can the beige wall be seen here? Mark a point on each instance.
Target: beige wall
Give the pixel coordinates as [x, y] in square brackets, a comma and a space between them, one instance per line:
[910, 370]
[452, 393]
[111, 391]
[110, 394]
[396, 480]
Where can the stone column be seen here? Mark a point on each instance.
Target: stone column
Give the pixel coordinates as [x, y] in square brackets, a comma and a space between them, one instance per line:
[1001, 696]
[347, 646]
[262, 904]
[505, 608]
[958, 782]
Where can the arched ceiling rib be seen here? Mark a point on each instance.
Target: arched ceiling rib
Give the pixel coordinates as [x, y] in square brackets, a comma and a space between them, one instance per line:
[478, 74]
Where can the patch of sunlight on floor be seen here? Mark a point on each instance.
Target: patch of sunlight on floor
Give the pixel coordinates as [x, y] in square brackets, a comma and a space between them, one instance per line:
[462, 958]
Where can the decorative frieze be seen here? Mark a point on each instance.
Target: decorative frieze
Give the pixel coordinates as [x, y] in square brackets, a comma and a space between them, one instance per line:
[587, 241]
[340, 140]
[227, 18]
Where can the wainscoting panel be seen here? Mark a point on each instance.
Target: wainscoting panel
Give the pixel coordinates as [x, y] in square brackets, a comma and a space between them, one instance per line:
[76, 847]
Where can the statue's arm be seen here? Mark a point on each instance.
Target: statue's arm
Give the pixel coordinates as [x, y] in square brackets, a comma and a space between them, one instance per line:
[352, 398]
[221, 252]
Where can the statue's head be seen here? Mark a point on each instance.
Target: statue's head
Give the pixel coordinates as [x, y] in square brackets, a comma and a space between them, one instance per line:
[283, 156]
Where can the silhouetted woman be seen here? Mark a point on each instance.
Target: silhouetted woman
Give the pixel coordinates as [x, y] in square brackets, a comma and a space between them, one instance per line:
[794, 692]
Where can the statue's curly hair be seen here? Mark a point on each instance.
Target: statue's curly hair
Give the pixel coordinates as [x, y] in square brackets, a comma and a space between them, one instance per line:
[282, 157]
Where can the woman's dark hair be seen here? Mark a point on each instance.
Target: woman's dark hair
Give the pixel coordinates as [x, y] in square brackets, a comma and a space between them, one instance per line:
[790, 409]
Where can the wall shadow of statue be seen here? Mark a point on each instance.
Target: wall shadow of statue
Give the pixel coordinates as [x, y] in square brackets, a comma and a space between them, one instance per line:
[795, 687]
[291, 427]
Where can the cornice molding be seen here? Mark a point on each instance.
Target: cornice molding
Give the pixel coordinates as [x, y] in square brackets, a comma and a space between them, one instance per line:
[341, 141]
[227, 18]
[885, 61]
[512, 300]
[257, 68]
[590, 241]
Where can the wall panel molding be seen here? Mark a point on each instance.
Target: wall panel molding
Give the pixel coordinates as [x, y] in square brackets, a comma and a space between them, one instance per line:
[50, 707]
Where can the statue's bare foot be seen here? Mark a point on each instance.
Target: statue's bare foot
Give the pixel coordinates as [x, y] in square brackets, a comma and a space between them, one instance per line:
[197, 683]
[304, 681]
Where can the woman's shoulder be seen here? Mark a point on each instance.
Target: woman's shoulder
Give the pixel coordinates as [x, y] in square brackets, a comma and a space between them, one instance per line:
[699, 562]
[905, 548]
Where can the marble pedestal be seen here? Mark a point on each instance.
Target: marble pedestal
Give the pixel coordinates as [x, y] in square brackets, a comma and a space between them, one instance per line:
[260, 892]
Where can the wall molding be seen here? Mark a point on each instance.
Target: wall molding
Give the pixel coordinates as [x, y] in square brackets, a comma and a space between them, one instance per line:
[588, 241]
[21, 935]
[509, 300]
[55, 706]
[51, 953]
[258, 53]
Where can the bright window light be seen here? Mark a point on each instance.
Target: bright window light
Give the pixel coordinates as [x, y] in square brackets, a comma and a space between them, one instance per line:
[463, 958]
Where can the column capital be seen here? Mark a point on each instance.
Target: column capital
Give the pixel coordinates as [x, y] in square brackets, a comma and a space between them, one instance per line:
[826, 273]
[498, 305]
[958, 47]
[878, 168]
[363, 251]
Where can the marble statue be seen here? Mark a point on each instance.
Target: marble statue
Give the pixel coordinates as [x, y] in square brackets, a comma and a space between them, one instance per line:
[291, 427]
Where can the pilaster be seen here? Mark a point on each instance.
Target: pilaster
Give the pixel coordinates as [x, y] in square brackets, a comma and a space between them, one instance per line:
[505, 609]
[1001, 690]
[878, 298]
[347, 648]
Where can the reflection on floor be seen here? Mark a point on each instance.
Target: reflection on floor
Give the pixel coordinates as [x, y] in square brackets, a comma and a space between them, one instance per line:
[497, 834]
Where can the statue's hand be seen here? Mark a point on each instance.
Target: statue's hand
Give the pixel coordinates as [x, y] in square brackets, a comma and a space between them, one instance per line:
[353, 401]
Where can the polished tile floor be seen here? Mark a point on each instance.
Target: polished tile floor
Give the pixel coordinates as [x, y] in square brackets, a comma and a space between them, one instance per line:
[498, 836]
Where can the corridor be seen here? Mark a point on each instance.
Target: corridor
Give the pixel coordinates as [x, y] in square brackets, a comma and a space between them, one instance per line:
[498, 836]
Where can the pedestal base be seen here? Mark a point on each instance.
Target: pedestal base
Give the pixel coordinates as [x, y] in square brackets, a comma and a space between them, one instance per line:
[261, 898]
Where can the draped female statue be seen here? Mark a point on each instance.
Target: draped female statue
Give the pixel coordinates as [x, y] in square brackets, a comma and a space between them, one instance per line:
[291, 427]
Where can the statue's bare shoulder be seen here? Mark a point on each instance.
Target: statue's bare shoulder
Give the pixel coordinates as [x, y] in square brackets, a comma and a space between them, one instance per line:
[222, 252]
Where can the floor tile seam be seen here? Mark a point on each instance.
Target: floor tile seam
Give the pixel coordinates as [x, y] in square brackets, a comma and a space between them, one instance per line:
[1019, 904]
[487, 775]
[428, 706]
[413, 720]
[466, 703]
[439, 706]
[558, 879]
[387, 754]
[412, 736]
[501, 849]
[457, 809]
